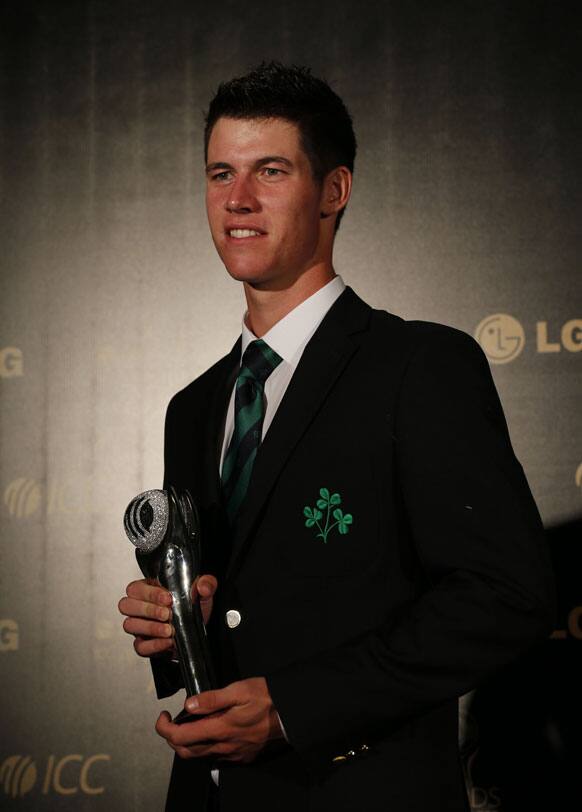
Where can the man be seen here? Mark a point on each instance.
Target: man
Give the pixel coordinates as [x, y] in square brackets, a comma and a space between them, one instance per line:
[372, 547]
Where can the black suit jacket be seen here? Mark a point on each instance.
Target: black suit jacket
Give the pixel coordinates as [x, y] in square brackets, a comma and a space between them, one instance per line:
[366, 637]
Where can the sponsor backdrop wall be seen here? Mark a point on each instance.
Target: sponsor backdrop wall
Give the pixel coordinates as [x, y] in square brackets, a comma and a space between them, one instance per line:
[466, 210]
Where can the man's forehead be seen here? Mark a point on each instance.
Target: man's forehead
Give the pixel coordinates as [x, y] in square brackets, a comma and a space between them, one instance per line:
[253, 134]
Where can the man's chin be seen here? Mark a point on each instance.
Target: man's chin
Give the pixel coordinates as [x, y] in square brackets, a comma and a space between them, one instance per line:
[253, 277]
[275, 283]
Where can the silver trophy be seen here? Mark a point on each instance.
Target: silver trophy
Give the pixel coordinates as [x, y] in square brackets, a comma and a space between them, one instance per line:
[164, 527]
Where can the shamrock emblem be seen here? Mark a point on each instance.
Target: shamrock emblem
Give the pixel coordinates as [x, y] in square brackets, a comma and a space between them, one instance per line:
[329, 503]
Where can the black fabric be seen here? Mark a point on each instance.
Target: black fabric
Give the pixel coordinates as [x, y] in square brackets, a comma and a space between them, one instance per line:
[367, 640]
[213, 799]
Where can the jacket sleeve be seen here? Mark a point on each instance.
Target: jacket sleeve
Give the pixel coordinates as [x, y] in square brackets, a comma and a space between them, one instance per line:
[479, 538]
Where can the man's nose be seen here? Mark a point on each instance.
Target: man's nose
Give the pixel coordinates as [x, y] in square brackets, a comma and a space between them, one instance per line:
[241, 197]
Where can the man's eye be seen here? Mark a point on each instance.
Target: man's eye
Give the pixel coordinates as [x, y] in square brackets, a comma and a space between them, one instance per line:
[272, 172]
[221, 175]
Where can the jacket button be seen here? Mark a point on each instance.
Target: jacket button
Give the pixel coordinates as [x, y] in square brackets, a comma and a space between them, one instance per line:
[233, 618]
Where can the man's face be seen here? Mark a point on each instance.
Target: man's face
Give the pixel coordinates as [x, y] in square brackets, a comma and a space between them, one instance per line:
[262, 201]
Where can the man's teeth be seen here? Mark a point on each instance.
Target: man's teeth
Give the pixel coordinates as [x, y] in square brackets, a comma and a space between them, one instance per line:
[240, 233]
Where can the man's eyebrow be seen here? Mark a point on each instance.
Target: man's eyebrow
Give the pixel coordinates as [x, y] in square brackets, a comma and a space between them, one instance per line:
[277, 159]
[217, 165]
[267, 159]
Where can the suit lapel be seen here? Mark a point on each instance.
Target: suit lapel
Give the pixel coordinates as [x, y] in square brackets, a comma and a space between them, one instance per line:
[322, 362]
[220, 396]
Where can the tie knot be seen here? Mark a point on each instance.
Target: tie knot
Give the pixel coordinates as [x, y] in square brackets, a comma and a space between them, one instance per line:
[258, 361]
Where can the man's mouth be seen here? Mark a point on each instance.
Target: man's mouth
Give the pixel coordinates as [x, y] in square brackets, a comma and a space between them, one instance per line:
[243, 233]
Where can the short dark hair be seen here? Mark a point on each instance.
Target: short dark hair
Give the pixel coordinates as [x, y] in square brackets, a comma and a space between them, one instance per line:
[291, 92]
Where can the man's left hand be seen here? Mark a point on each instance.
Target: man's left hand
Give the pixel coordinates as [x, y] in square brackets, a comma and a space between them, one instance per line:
[235, 725]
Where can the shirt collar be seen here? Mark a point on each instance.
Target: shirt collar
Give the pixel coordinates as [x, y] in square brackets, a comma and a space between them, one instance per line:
[289, 336]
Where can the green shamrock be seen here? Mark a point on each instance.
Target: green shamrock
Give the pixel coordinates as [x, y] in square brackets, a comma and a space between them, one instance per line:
[313, 516]
[326, 502]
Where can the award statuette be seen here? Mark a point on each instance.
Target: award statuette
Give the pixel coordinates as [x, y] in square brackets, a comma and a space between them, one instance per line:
[164, 527]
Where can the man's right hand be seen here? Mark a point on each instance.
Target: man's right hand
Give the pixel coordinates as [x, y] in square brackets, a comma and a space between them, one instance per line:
[149, 614]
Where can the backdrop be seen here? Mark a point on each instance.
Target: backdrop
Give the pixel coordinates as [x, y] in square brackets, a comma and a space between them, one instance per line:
[466, 210]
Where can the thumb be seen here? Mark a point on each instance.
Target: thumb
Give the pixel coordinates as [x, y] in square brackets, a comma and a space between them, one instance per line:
[206, 586]
[212, 701]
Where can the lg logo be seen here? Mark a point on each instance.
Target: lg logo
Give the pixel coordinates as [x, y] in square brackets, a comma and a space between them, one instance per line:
[574, 624]
[68, 775]
[570, 337]
[11, 362]
[502, 337]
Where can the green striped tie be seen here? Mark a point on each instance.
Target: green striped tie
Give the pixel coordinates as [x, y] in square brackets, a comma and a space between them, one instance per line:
[258, 361]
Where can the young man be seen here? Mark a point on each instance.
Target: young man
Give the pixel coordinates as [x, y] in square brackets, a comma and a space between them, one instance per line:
[372, 547]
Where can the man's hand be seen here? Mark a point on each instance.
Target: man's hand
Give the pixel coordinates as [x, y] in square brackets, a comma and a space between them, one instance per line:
[235, 725]
[149, 613]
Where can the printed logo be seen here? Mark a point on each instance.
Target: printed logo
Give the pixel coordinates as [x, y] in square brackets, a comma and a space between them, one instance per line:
[77, 780]
[17, 775]
[484, 799]
[11, 362]
[327, 502]
[68, 775]
[501, 337]
[574, 624]
[570, 337]
[22, 497]
[9, 640]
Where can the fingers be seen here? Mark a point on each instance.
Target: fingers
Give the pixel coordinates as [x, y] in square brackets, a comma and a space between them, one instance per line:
[146, 601]
[147, 628]
[203, 590]
[150, 593]
[237, 724]
[206, 586]
[164, 725]
[149, 647]
[136, 608]
[204, 734]
[220, 750]
[147, 608]
[212, 701]
[148, 615]
[210, 736]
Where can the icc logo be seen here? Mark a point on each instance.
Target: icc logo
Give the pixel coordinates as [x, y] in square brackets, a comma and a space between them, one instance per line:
[8, 635]
[22, 497]
[501, 336]
[11, 365]
[18, 775]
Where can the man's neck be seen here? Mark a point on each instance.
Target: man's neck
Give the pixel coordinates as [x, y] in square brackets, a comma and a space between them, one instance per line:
[265, 307]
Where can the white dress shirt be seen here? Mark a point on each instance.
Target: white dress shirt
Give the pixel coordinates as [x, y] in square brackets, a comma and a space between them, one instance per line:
[288, 337]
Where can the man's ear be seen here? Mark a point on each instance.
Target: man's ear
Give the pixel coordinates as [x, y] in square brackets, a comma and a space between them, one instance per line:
[337, 187]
